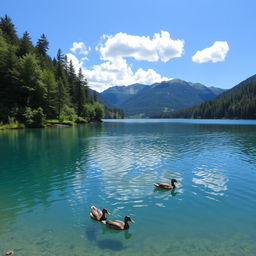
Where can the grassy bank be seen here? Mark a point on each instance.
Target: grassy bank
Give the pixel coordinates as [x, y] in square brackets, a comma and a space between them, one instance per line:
[48, 123]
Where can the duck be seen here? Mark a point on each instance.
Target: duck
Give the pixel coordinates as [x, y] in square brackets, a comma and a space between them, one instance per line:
[97, 214]
[166, 185]
[118, 224]
[9, 252]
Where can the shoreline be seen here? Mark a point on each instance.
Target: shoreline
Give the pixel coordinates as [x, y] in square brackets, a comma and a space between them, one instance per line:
[57, 124]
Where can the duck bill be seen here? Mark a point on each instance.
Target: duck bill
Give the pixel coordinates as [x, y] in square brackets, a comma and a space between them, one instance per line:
[133, 221]
[108, 213]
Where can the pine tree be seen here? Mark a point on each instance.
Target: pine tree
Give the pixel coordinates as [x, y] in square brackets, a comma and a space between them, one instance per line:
[8, 30]
[42, 45]
[31, 82]
[80, 95]
[50, 84]
[71, 80]
[34, 86]
[9, 89]
[25, 45]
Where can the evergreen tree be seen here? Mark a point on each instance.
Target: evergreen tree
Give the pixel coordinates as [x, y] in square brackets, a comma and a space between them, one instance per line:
[71, 80]
[31, 82]
[34, 86]
[42, 45]
[9, 90]
[25, 45]
[80, 92]
[63, 96]
[50, 85]
[8, 30]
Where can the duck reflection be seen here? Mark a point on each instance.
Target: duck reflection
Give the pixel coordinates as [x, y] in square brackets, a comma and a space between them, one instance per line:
[111, 244]
[126, 233]
[173, 192]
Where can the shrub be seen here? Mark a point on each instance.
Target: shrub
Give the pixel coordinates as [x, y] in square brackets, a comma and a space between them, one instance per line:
[88, 112]
[99, 110]
[34, 118]
[68, 114]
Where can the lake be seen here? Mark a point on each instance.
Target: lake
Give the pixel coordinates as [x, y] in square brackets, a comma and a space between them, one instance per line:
[49, 178]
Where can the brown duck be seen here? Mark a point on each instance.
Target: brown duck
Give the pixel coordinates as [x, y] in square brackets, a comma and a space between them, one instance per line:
[97, 214]
[166, 185]
[118, 224]
[9, 252]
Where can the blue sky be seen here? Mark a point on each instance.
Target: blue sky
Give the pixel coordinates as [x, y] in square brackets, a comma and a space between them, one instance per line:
[122, 42]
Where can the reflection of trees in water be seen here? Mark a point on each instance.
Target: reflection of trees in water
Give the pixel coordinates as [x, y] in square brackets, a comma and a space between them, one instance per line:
[37, 165]
[239, 137]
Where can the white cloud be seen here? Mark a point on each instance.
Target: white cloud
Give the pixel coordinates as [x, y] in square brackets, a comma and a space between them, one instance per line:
[75, 61]
[215, 53]
[160, 47]
[115, 72]
[80, 48]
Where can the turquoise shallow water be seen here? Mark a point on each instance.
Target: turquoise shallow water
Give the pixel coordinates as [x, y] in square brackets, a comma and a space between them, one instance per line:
[49, 178]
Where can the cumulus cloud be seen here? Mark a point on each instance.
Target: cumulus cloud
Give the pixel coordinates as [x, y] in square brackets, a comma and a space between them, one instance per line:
[114, 51]
[80, 48]
[75, 61]
[115, 72]
[161, 47]
[215, 53]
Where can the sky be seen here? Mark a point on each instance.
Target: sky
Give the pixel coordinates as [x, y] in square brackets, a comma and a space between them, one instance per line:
[119, 42]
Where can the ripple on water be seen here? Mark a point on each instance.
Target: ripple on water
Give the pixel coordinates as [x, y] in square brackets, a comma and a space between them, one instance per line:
[45, 198]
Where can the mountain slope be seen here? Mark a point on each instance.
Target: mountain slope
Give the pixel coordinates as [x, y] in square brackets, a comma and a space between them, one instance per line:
[119, 94]
[111, 111]
[238, 102]
[159, 97]
[100, 98]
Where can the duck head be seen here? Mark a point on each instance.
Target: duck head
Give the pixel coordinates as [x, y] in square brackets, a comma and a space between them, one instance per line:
[174, 181]
[106, 211]
[128, 218]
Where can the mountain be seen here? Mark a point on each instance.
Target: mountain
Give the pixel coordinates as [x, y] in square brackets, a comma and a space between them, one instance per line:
[111, 111]
[238, 102]
[100, 98]
[119, 94]
[159, 98]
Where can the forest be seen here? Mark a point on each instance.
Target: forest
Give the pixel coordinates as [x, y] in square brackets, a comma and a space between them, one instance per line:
[37, 90]
[236, 103]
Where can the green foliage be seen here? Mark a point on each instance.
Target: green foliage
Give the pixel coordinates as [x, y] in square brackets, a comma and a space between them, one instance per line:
[34, 87]
[42, 45]
[34, 118]
[11, 124]
[99, 110]
[88, 112]
[68, 114]
[8, 30]
[33, 91]
[25, 45]
[50, 86]
[81, 120]
[237, 103]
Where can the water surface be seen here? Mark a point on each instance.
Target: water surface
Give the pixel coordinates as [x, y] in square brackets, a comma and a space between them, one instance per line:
[49, 178]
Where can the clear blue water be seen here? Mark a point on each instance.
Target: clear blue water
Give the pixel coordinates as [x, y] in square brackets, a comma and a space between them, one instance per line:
[49, 178]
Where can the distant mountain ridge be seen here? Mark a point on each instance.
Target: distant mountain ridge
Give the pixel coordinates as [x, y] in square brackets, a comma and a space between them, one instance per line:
[237, 103]
[147, 100]
[119, 94]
